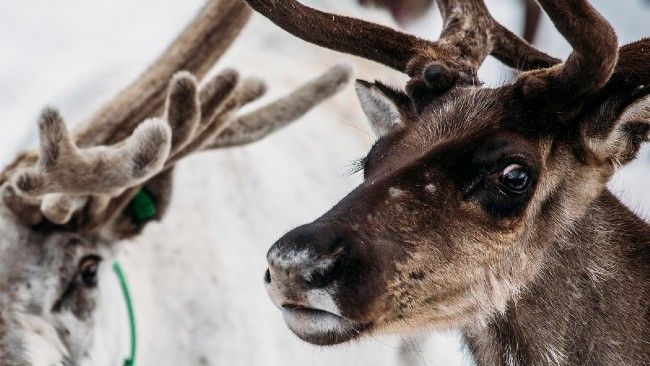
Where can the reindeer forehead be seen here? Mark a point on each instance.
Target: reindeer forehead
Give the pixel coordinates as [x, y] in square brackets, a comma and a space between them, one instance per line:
[17, 245]
[463, 113]
[28, 252]
[456, 121]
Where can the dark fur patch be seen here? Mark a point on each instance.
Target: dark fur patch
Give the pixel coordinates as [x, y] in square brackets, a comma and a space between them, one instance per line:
[142, 161]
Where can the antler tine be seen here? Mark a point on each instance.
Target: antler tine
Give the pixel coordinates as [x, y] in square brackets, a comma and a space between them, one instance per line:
[594, 55]
[182, 110]
[515, 52]
[216, 90]
[250, 90]
[469, 35]
[257, 124]
[64, 168]
[27, 212]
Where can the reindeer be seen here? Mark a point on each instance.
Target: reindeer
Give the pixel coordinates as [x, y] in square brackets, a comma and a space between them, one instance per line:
[66, 207]
[482, 209]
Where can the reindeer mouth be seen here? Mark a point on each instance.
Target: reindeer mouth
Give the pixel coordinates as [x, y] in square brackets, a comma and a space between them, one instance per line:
[320, 327]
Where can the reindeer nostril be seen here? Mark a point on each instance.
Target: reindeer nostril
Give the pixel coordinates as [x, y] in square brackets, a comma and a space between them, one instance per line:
[324, 273]
[267, 276]
[318, 279]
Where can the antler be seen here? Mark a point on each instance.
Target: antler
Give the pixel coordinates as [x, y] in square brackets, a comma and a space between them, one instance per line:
[469, 34]
[67, 178]
[196, 50]
[224, 128]
[87, 179]
[65, 168]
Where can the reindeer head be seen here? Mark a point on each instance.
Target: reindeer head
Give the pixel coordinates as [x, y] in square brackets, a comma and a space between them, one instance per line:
[50, 294]
[467, 187]
[65, 208]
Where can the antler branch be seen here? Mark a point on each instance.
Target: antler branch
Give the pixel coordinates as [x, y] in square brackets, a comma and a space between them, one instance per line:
[468, 36]
[257, 124]
[64, 168]
[100, 182]
[594, 56]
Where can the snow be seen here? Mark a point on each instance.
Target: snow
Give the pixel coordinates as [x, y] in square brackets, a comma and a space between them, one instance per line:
[197, 277]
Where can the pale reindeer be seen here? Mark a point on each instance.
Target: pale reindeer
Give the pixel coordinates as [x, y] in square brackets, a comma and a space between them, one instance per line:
[482, 209]
[65, 207]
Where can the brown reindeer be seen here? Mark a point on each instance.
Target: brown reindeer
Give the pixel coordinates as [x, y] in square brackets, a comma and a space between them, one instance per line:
[65, 207]
[484, 209]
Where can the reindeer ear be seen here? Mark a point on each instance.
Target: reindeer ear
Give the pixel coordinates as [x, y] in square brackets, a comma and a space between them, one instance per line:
[383, 106]
[618, 137]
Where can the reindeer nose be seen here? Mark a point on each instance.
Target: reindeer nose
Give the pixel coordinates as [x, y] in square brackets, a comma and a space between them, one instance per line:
[308, 258]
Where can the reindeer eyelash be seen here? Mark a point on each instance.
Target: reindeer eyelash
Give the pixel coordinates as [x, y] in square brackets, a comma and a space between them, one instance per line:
[473, 185]
[355, 166]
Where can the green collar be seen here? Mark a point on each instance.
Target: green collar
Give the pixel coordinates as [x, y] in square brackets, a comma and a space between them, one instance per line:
[129, 308]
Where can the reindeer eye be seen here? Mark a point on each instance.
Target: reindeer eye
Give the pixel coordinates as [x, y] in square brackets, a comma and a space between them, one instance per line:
[88, 268]
[515, 178]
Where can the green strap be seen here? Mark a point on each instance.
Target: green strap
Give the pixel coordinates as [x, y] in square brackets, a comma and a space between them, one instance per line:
[129, 308]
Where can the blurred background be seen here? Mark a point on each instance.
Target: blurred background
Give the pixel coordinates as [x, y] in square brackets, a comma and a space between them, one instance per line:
[197, 276]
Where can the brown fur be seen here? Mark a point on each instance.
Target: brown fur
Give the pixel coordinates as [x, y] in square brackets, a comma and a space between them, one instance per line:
[588, 305]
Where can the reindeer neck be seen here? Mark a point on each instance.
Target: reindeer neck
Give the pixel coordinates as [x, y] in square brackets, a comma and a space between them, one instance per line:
[589, 305]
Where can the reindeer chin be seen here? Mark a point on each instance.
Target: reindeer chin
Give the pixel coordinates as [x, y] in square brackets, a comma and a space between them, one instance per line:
[320, 327]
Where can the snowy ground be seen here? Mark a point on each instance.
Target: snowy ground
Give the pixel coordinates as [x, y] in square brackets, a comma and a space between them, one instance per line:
[208, 304]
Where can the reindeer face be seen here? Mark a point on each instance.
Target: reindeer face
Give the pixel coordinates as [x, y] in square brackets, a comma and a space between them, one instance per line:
[395, 251]
[457, 210]
[50, 285]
